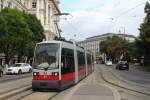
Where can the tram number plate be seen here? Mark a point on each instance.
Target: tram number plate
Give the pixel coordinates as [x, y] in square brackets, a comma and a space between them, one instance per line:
[43, 84]
[45, 73]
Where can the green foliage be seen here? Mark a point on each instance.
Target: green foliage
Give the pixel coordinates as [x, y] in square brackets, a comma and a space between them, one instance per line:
[145, 34]
[18, 33]
[114, 47]
[35, 26]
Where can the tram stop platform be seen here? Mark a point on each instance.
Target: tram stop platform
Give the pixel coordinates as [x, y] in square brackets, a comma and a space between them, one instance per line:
[91, 92]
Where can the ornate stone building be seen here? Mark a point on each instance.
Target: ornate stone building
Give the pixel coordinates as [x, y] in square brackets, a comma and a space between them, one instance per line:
[46, 11]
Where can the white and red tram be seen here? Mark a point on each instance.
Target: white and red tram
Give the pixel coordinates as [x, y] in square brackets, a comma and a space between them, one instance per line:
[60, 64]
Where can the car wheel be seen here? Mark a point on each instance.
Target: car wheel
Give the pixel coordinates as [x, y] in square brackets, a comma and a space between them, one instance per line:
[128, 68]
[20, 72]
[30, 70]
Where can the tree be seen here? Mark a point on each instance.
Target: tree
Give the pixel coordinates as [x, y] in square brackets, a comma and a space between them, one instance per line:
[35, 26]
[115, 46]
[14, 30]
[112, 47]
[19, 32]
[145, 34]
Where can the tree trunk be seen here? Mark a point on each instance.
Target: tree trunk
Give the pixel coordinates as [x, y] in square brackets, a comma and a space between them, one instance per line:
[7, 59]
[19, 58]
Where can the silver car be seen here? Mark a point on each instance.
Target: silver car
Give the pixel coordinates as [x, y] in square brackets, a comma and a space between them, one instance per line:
[19, 68]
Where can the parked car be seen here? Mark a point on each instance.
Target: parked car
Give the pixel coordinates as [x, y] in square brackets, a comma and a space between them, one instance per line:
[19, 68]
[108, 63]
[122, 65]
[1, 70]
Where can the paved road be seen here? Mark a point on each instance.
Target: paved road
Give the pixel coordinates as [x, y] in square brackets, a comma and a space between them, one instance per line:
[134, 75]
[7, 78]
[89, 88]
[128, 89]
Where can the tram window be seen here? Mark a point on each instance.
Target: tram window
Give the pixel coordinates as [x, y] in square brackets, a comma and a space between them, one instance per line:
[89, 59]
[92, 60]
[67, 60]
[81, 59]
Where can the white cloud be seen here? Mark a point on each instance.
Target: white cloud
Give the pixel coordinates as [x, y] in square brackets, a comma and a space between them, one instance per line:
[92, 17]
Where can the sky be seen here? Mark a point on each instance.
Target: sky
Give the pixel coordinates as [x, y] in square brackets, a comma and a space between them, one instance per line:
[89, 18]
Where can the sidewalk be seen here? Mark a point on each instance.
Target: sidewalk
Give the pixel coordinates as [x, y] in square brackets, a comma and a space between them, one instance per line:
[89, 89]
[91, 92]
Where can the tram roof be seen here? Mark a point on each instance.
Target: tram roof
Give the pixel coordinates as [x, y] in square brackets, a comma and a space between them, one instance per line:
[52, 41]
[65, 42]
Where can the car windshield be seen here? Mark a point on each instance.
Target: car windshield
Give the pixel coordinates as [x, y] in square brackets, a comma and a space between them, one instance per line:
[46, 56]
[16, 65]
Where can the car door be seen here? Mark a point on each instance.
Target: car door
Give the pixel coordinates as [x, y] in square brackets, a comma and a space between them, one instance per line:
[27, 67]
[24, 68]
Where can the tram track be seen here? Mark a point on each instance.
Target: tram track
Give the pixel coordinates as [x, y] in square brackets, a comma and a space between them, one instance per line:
[53, 96]
[13, 92]
[8, 78]
[122, 89]
[39, 96]
[129, 82]
[26, 93]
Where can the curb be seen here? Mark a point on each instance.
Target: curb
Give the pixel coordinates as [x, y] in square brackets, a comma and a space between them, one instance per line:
[113, 83]
[122, 79]
[115, 92]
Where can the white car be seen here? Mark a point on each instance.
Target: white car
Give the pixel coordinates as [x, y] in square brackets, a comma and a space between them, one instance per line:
[109, 63]
[19, 68]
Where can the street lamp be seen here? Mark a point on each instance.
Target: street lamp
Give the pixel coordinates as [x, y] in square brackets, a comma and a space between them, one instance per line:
[55, 22]
[124, 31]
[123, 48]
[60, 14]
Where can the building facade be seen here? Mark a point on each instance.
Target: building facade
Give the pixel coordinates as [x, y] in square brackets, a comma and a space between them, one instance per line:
[47, 11]
[93, 43]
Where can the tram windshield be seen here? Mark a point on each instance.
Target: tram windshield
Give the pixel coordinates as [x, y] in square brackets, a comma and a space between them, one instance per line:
[47, 56]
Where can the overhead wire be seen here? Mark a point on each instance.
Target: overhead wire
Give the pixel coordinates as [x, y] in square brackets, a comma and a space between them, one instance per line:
[127, 11]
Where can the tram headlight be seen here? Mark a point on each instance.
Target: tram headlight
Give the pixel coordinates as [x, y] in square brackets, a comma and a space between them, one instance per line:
[55, 73]
[35, 73]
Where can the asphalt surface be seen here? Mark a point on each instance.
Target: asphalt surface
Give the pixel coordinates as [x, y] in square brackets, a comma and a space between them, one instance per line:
[89, 88]
[134, 74]
[128, 89]
[6, 78]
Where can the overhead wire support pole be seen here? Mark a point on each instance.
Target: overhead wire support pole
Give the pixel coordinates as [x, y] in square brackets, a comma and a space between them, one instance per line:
[59, 14]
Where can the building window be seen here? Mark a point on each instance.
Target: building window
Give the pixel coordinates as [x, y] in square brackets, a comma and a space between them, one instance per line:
[49, 14]
[1, 1]
[9, 4]
[34, 3]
